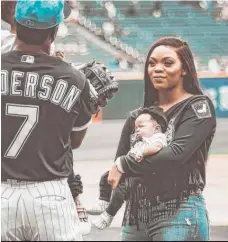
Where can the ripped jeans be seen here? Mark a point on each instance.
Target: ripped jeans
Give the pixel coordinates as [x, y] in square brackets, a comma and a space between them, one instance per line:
[189, 223]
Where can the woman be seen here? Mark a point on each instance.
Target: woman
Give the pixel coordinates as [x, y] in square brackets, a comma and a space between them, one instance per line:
[166, 203]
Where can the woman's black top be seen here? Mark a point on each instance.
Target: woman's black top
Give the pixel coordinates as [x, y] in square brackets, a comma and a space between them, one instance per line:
[178, 169]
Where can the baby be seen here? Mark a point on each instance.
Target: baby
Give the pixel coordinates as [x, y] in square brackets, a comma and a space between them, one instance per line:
[148, 139]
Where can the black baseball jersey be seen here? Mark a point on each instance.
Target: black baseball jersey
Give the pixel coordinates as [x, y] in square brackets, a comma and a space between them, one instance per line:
[43, 100]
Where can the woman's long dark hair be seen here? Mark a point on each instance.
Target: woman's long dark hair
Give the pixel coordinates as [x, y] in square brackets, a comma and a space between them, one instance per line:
[190, 80]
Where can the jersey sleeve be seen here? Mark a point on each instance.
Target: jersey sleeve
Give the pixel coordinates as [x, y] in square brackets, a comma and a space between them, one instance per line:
[84, 118]
[198, 123]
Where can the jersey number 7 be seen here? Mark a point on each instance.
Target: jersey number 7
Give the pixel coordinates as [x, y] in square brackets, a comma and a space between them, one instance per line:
[31, 115]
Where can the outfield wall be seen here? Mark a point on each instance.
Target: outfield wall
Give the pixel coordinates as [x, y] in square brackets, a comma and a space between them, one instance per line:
[131, 88]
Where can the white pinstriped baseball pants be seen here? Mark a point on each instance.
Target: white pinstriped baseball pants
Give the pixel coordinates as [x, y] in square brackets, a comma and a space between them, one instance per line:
[39, 211]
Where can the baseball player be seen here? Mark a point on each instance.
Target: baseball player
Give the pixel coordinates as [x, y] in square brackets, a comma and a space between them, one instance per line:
[8, 38]
[45, 113]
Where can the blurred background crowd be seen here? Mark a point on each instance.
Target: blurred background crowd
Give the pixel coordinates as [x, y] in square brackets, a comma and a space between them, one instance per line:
[119, 33]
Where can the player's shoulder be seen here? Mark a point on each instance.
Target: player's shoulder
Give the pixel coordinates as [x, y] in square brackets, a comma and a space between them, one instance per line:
[7, 56]
[76, 77]
[4, 54]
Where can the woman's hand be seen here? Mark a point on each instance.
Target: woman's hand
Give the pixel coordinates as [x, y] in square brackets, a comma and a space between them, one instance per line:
[114, 177]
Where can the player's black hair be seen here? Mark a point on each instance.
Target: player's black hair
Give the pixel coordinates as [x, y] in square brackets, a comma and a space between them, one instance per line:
[35, 36]
[157, 114]
[190, 80]
[6, 8]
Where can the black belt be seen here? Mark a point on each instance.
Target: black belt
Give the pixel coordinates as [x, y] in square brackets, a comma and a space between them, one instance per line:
[21, 184]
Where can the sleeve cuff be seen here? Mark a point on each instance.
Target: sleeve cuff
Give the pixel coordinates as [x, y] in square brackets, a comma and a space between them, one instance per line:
[85, 126]
[119, 165]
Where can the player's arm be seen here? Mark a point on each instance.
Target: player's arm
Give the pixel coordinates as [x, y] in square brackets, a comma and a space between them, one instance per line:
[75, 184]
[193, 129]
[77, 138]
[84, 119]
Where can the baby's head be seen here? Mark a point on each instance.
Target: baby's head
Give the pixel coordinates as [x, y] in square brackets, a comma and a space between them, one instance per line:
[150, 121]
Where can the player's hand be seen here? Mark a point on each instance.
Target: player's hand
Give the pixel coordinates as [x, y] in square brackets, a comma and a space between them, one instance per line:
[114, 177]
[59, 54]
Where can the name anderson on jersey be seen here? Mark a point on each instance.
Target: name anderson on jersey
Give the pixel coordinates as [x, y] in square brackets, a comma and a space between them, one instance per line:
[58, 95]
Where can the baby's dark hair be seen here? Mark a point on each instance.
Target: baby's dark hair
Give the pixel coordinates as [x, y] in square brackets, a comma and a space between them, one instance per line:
[157, 114]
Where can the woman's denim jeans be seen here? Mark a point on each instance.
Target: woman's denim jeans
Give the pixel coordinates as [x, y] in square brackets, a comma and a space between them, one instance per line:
[189, 223]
